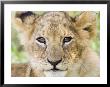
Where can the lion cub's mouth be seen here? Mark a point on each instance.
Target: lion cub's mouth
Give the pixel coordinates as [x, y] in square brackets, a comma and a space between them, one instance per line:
[54, 69]
[55, 73]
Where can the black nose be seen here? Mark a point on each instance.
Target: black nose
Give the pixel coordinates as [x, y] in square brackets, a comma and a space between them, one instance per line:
[54, 63]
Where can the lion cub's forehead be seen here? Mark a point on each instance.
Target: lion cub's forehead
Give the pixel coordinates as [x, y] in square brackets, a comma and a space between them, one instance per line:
[55, 23]
[54, 17]
[50, 15]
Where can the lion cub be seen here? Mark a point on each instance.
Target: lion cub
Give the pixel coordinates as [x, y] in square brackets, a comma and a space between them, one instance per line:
[57, 44]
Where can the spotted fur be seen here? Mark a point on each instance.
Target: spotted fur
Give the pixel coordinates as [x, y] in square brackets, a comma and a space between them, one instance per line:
[77, 57]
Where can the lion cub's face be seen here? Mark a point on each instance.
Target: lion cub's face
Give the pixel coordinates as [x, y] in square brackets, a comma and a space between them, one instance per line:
[53, 41]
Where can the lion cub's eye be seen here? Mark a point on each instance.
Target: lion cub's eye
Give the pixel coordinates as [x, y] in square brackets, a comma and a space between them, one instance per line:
[41, 40]
[67, 39]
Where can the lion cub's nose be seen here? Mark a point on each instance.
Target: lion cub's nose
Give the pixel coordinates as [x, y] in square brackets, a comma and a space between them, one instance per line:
[54, 63]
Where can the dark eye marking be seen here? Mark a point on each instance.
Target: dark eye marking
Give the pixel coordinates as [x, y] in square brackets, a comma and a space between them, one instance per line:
[87, 29]
[67, 39]
[41, 40]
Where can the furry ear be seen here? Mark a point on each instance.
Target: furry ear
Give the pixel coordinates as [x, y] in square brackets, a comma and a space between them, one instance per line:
[23, 21]
[85, 23]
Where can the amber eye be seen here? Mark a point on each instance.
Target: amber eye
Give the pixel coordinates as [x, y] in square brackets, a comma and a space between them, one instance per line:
[41, 40]
[67, 39]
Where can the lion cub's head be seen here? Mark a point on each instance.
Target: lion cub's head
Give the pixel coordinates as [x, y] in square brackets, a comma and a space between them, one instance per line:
[55, 41]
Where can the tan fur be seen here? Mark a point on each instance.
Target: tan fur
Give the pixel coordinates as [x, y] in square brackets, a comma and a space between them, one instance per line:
[78, 59]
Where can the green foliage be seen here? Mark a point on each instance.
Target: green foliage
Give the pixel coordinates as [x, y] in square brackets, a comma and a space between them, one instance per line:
[17, 53]
[96, 41]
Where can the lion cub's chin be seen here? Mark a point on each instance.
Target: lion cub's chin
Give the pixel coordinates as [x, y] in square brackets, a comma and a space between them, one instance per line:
[55, 73]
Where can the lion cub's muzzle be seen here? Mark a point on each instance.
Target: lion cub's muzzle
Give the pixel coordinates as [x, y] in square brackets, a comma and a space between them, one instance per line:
[55, 72]
[55, 56]
[54, 64]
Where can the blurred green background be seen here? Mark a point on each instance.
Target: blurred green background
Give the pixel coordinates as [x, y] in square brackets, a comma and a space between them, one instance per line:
[18, 55]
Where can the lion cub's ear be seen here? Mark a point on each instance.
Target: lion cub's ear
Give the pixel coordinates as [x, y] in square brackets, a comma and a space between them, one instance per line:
[85, 23]
[23, 21]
